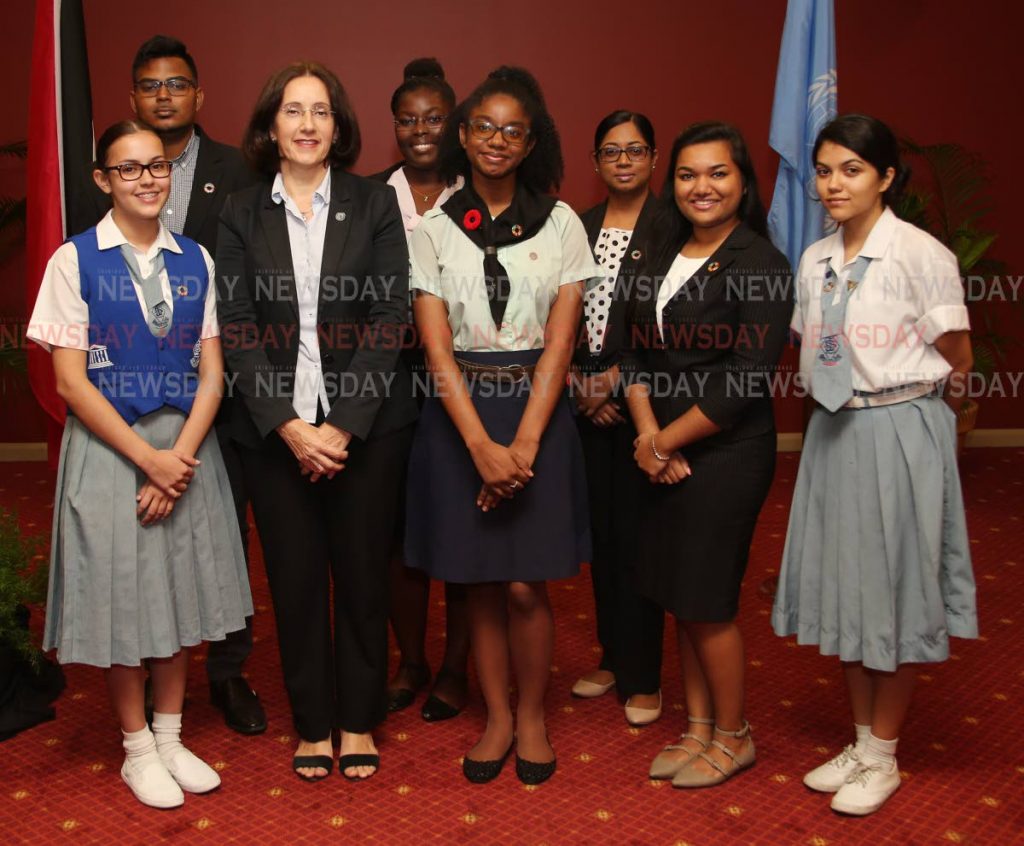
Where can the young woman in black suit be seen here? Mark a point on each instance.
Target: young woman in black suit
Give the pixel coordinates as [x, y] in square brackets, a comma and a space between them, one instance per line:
[312, 284]
[620, 230]
[705, 338]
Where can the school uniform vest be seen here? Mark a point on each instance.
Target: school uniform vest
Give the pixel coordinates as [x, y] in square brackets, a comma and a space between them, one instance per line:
[137, 372]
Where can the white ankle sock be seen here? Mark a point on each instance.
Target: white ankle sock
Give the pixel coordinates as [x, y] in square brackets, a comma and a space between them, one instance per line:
[881, 751]
[862, 735]
[167, 731]
[192, 773]
[138, 744]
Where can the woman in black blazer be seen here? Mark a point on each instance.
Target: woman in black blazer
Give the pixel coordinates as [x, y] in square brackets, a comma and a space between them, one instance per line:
[705, 336]
[621, 232]
[312, 284]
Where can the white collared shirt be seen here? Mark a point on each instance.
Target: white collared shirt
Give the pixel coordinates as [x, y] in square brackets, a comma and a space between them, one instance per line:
[910, 295]
[60, 317]
[306, 239]
[682, 270]
[407, 202]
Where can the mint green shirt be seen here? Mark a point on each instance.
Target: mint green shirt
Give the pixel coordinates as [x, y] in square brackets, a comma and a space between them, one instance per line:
[447, 264]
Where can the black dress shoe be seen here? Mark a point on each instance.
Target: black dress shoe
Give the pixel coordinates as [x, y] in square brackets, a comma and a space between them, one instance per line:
[400, 698]
[240, 705]
[435, 709]
[531, 772]
[481, 772]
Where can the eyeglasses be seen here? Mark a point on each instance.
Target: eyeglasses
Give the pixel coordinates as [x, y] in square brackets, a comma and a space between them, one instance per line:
[295, 112]
[177, 86]
[132, 171]
[485, 130]
[407, 123]
[610, 153]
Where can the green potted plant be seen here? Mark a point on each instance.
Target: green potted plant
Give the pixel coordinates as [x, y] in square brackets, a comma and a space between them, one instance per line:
[949, 197]
[23, 579]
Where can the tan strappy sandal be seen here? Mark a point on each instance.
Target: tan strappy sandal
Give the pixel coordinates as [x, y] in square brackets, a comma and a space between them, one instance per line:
[689, 776]
[665, 765]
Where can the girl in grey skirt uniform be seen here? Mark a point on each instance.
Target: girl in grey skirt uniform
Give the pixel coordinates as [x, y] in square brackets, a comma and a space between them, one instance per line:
[497, 494]
[876, 567]
[146, 557]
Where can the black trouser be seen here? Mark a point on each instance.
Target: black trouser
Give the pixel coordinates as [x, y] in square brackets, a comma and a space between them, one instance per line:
[629, 626]
[225, 658]
[335, 530]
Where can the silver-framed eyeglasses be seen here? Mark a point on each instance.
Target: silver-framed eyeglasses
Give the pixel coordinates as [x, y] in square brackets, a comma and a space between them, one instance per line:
[132, 171]
[293, 111]
[177, 86]
[407, 123]
[513, 133]
[611, 153]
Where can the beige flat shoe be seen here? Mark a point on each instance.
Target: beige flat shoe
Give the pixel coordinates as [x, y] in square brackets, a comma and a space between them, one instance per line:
[584, 689]
[665, 765]
[690, 777]
[642, 716]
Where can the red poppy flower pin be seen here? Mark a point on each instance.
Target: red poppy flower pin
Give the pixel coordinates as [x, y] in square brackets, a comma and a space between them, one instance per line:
[472, 219]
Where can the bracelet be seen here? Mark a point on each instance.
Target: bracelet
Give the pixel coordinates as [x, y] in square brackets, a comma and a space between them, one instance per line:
[657, 454]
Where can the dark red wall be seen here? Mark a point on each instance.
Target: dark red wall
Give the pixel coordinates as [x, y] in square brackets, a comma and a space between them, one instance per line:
[936, 70]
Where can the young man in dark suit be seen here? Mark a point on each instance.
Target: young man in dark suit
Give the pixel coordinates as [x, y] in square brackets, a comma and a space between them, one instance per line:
[166, 96]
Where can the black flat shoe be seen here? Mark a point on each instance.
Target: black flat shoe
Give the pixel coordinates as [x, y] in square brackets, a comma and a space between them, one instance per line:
[530, 772]
[239, 704]
[363, 759]
[435, 709]
[481, 772]
[312, 762]
[400, 698]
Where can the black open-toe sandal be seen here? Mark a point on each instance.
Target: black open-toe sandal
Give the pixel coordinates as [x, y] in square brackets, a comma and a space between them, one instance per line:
[363, 759]
[401, 698]
[300, 762]
[435, 709]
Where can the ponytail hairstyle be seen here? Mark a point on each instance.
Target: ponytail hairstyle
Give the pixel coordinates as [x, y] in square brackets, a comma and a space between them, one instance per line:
[621, 116]
[542, 170]
[874, 142]
[114, 133]
[422, 74]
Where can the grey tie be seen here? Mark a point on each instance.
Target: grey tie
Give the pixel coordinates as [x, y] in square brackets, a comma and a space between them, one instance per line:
[158, 310]
[832, 374]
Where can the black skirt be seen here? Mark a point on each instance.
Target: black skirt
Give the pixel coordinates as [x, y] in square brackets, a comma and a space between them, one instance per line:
[542, 533]
[694, 538]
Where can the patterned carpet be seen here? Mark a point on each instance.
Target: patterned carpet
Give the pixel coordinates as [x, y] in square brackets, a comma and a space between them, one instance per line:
[963, 768]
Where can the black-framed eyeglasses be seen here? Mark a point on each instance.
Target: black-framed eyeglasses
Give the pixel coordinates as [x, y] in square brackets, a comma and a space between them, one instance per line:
[132, 171]
[407, 123]
[177, 86]
[513, 133]
[611, 153]
[293, 111]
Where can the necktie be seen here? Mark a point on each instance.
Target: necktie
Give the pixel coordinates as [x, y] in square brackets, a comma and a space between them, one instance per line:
[158, 310]
[832, 374]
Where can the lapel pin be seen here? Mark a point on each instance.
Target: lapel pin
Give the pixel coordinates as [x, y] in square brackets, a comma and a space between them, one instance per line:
[209, 187]
[340, 216]
[517, 230]
[635, 255]
[851, 285]
[713, 267]
[182, 290]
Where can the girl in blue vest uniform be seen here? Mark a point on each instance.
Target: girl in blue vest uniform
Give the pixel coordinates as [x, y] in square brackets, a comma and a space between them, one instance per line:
[146, 557]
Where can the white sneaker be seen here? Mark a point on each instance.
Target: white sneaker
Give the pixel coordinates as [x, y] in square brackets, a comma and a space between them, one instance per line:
[152, 784]
[866, 789]
[832, 775]
[191, 773]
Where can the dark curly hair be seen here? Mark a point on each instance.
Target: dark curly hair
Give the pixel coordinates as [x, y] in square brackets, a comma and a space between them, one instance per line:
[874, 142]
[542, 169]
[420, 74]
[751, 210]
[262, 153]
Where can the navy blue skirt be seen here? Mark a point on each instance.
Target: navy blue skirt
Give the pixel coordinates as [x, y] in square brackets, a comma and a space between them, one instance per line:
[542, 533]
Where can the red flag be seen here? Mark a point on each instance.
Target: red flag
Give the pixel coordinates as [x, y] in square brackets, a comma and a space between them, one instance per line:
[60, 150]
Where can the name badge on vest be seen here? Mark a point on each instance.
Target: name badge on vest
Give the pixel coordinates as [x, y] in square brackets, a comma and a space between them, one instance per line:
[98, 357]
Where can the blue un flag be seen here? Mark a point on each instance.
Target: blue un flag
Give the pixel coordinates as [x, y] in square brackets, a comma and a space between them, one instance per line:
[805, 100]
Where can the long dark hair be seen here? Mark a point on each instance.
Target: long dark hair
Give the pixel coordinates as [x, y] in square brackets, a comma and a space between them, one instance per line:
[261, 152]
[751, 210]
[542, 170]
[425, 73]
[874, 142]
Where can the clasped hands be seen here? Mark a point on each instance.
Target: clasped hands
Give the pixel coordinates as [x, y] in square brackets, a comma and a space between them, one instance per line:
[321, 450]
[168, 472]
[659, 472]
[594, 402]
[505, 470]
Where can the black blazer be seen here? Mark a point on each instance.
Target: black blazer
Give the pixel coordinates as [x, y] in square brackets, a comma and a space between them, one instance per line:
[724, 333]
[363, 294]
[642, 241]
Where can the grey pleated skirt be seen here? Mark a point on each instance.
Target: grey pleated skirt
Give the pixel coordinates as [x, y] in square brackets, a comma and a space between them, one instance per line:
[121, 592]
[877, 565]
